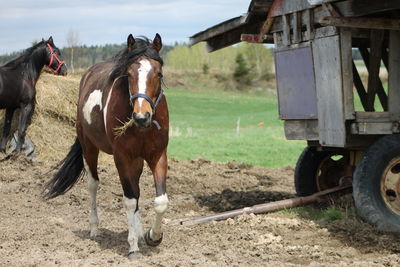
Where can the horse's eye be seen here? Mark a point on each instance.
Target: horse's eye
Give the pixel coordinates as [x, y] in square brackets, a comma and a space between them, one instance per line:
[159, 75]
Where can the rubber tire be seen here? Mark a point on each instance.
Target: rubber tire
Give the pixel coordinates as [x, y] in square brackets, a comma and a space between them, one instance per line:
[368, 200]
[306, 168]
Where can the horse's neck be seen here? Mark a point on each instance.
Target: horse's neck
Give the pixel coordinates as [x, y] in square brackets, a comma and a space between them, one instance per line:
[35, 64]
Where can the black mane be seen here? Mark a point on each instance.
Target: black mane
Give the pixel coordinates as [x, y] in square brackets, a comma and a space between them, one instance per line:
[143, 47]
[24, 57]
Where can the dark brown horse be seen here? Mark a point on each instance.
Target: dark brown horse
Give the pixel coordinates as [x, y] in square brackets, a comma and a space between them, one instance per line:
[17, 85]
[122, 111]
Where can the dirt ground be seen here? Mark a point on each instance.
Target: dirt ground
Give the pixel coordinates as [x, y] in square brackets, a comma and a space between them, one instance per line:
[34, 232]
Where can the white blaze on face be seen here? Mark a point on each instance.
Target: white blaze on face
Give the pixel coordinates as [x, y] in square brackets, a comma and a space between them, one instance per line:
[144, 69]
[93, 100]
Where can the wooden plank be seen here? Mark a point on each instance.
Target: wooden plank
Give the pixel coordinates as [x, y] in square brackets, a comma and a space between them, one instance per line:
[310, 24]
[370, 128]
[394, 75]
[325, 32]
[301, 129]
[359, 86]
[286, 30]
[380, 90]
[374, 67]
[347, 73]
[364, 23]
[372, 116]
[218, 29]
[328, 76]
[296, 26]
[355, 8]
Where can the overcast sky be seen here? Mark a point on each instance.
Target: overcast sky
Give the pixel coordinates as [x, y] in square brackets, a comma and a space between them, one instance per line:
[109, 21]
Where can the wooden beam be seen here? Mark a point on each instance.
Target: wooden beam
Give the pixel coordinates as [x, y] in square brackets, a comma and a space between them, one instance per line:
[366, 23]
[310, 24]
[286, 30]
[380, 90]
[347, 75]
[218, 29]
[355, 8]
[360, 87]
[296, 26]
[394, 75]
[375, 57]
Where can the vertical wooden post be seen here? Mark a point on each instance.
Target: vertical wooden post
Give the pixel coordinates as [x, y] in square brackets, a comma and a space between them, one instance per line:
[296, 26]
[347, 73]
[310, 24]
[286, 30]
[375, 57]
[394, 75]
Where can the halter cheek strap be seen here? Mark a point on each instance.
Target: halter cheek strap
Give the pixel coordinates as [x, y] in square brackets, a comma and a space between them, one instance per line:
[54, 56]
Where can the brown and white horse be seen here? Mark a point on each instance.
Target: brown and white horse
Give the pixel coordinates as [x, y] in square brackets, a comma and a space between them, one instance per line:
[122, 111]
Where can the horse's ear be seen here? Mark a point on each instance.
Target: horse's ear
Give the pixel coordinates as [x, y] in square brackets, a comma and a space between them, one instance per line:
[131, 42]
[157, 43]
[50, 41]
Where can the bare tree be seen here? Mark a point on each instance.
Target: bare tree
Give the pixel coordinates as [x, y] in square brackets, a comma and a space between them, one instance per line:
[72, 41]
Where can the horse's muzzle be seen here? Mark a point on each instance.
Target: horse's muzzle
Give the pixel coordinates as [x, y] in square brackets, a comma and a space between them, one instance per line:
[142, 120]
[63, 70]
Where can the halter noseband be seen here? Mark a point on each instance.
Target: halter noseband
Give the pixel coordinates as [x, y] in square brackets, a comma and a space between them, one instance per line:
[152, 104]
[53, 55]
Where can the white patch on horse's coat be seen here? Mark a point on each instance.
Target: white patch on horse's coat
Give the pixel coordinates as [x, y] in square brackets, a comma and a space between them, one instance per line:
[144, 69]
[93, 185]
[135, 231]
[93, 100]
[160, 206]
[106, 107]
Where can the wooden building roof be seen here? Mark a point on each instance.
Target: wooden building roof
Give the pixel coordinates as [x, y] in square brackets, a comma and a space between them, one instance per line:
[229, 32]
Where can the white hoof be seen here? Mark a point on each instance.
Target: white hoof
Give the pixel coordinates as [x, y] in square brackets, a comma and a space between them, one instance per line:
[93, 231]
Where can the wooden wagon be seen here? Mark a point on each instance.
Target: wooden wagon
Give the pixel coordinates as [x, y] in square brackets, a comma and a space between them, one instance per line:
[351, 120]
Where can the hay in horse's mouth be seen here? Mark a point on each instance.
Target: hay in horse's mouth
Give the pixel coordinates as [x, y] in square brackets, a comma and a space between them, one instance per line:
[119, 131]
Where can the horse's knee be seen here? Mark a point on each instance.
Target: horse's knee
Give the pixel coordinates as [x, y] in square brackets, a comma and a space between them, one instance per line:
[161, 203]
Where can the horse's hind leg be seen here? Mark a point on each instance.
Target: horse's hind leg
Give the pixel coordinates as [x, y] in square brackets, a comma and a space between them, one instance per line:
[159, 168]
[90, 155]
[6, 130]
[24, 118]
[129, 173]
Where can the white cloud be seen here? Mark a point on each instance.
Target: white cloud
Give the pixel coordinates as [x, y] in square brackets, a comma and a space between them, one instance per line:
[103, 21]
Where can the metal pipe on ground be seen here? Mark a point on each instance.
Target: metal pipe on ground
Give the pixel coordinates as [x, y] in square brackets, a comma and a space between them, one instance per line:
[262, 208]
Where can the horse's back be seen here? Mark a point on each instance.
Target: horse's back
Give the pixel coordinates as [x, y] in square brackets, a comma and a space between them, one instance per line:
[92, 97]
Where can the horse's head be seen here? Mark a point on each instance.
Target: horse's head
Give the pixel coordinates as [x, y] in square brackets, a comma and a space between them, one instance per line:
[53, 58]
[144, 79]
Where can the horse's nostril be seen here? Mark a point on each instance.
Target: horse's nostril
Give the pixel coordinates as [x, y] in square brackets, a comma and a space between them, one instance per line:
[142, 120]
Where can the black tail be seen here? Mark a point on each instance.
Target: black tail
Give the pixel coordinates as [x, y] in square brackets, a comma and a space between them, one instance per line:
[69, 173]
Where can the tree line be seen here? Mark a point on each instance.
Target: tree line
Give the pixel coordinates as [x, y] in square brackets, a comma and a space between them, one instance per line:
[245, 62]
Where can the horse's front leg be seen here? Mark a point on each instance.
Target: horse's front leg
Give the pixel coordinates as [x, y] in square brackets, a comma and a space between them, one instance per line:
[6, 130]
[159, 168]
[129, 174]
[25, 116]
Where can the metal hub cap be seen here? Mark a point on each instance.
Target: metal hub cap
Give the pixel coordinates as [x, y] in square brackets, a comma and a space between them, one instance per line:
[390, 185]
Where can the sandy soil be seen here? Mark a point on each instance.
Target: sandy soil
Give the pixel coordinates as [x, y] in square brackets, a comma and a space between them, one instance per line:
[34, 232]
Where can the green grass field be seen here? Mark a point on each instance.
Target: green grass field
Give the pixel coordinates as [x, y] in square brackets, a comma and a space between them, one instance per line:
[204, 125]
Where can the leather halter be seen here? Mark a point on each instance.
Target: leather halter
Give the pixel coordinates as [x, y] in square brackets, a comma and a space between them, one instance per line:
[54, 56]
[152, 104]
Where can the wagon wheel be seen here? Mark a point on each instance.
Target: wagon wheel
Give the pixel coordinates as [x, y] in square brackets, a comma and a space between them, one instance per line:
[376, 184]
[319, 170]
